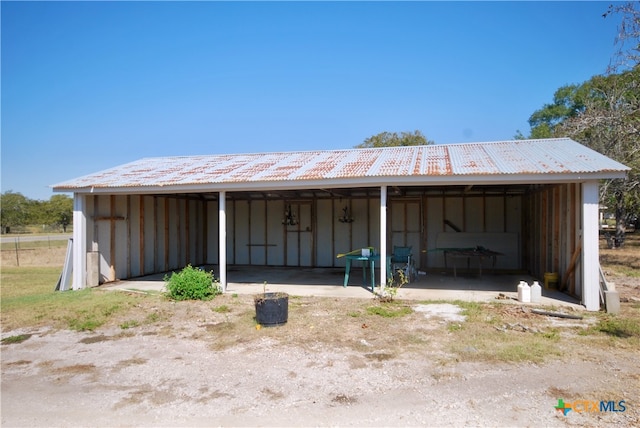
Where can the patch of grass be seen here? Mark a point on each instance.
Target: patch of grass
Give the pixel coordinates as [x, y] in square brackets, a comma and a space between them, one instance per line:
[153, 317]
[511, 347]
[478, 339]
[472, 310]
[129, 324]
[19, 338]
[552, 334]
[86, 323]
[354, 314]
[454, 326]
[222, 309]
[28, 299]
[26, 281]
[389, 311]
[618, 326]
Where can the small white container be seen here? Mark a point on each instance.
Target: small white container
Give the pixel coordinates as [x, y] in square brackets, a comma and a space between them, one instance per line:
[520, 291]
[526, 293]
[536, 292]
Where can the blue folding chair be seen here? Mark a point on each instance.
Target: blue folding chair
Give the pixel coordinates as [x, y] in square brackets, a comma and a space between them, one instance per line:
[402, 260]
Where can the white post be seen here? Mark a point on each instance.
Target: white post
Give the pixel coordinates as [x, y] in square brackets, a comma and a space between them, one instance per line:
[590, 250]
[222, 244]
[383, 237]
[79, 241]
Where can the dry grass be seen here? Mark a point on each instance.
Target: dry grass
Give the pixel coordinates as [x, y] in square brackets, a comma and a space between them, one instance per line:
[29, 299]
[34, 254]
[623, 261]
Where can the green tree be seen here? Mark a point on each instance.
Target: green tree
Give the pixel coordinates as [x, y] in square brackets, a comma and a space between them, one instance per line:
[14, 210]
[388, 139]
[60, 211]
[568, 101]
[603, 114]
[610, 124]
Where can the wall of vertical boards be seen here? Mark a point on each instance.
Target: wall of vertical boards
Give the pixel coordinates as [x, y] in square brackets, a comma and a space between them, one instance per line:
[138, 235]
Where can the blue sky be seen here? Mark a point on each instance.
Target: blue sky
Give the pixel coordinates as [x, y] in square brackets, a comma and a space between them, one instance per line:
[88, 86]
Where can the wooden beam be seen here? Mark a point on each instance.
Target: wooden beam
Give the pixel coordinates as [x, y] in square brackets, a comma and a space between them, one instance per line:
[572, 266]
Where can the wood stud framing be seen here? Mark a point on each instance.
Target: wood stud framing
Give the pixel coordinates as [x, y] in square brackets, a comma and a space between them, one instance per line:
[549, 233]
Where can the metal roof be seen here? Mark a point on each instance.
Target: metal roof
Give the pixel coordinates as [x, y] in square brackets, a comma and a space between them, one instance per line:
[407, 164]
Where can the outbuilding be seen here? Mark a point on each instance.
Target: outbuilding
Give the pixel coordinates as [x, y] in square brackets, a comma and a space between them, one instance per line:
[533, 201]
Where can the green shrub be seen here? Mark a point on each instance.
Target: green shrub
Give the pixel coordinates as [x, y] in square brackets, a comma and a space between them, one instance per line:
[192, 284]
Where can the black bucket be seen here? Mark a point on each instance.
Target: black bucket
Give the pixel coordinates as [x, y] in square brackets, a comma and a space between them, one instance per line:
[272, 308]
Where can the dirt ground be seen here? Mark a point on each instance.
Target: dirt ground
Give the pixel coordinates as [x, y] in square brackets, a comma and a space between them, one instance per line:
[332, 364]
[206, 364]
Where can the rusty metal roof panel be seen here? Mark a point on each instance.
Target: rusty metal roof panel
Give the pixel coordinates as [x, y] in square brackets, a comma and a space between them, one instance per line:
[556, 156]
[507, 158]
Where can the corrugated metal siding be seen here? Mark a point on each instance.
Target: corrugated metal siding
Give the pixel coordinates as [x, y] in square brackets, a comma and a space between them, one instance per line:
[555, 156]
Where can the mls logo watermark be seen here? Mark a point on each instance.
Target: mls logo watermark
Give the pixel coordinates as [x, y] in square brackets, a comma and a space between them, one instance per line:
[591, 406]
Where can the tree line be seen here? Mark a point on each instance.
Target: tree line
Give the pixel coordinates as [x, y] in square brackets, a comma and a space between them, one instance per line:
[17, 211]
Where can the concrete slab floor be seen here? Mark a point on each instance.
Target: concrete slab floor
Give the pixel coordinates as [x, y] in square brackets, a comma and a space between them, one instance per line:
[327, 282]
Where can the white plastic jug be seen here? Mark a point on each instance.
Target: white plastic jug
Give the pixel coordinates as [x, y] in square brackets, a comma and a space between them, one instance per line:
[524, 292]
[520, 291]
[536, 292]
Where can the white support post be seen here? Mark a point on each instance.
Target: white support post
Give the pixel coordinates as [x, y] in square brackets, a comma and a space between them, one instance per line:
[79, 241]
[383, 237]
[590, 250]
[222, 244]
